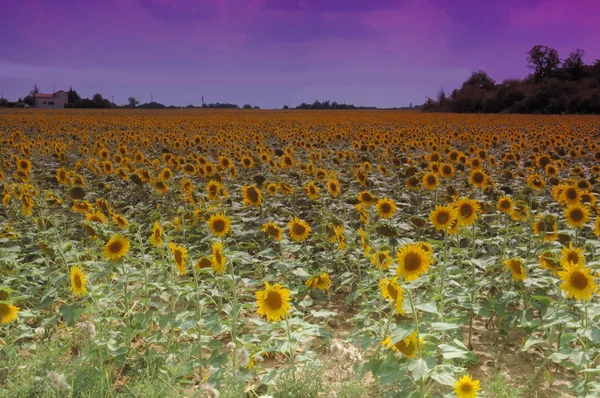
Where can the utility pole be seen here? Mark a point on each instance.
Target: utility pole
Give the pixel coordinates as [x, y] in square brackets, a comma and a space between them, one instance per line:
[202, 100]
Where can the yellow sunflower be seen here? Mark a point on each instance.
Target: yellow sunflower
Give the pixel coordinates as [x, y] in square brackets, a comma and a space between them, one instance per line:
[381, 258]
[571, 255]
[478, 178]
[321, 281]
[96, 216]
[78, 281]
[386, 208]
[577, 282]
[467, 210]
[550, 262]
[366, 199]
[312, 191]
[299, 229]
[179, 255]
[157, 235]
[120, 221]
[505, 204]
[515, 265]
[8, 313]
[597, 226]
[117, 247]
[390, 290]
[466, 387]
[203, 262]
[333, 186]
[218, 258]
[577, 215]
[252, 195]
[273, 302]
[412, 261]
[443, 217]
[430, 181]
[408, 346]
[219, 224]
[273, 230]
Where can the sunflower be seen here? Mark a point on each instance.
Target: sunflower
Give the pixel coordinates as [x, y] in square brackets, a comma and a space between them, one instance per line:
[333, 186]
[443, 217]
[166, 174]
[597, 226]
[321, 281]
[96, 216]
[78, 281]
[366, 199]
[467, 210]
[160, 186]
[505, 204]
[272, 189]
[252, 195]
[5, 293]
[515, 265]
[520, 211]
[570, 195]
[63, 176]
[381, 259]
[312, 191]
[466, 387]
[82, 206]
[546, 227]
[412, 183]
[386, 208]
[362, 212]
[299, 229]
[536, 182]
[219, 224]
[392, 291]
[157, 235]
[117, 247]
[218, 258]
[203, 262]
[571, 255]
[478, 178]
[408, 346]
[24, 165]
[577, 282]
[273, 230]
[8, 313]
[273, 302]
[550, 262]
[430, 181]
[285, 188]
[213, 189]
[577, 215]
[120, 221]
[412, 262]
[179, 255]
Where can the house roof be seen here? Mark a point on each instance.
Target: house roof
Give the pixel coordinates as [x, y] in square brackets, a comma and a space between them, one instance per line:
[40, 95]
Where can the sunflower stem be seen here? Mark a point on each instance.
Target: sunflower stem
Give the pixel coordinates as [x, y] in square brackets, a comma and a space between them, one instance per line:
[292, 350]
[125, 283]
[234, 313]
[443, 276]
[419, 348]
[384, 335]
[472, 285]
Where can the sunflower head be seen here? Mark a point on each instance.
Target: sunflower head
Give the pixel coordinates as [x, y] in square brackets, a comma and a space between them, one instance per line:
[467, 210]
[273, 302]
[157, 235]
[117, 247]
[272, 230]
[430, 181]
[386, 208]
[179, 255]
[252, 195]
[78, 281]
[407, 346]
[412, 261]
[219, 224]
[577, 282]
[466, 387]
[320, 281]
[443, 217]
[366, 199]
[218, 258]
[515, 265]
[577, 215]
[299, 229]
[8, 313]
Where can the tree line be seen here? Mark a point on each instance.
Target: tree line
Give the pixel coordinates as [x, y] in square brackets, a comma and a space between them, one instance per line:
[554, 86]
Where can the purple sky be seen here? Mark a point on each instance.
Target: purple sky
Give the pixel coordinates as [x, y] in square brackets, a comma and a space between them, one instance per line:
[271, 52]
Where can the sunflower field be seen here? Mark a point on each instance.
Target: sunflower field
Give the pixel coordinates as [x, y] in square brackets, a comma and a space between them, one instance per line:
[201, 253]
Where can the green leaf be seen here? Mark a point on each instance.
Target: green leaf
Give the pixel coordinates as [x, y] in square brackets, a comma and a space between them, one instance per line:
[390, 372]
[70, 313]
[445, 374]
[445, 326]
[322, 313]
[401, 332]
[531, 341]
[427, 307]
[419, 368]
[452, 352]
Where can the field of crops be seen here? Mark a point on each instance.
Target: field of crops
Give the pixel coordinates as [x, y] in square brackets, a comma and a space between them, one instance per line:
[298, 254]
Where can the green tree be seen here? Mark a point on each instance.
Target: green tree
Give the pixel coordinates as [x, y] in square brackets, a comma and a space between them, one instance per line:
[543, 60]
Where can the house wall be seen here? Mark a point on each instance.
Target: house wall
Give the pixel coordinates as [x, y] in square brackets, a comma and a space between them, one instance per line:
[59, 101]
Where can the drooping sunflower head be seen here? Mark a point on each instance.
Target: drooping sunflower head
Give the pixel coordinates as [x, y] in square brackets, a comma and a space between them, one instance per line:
[120, 221]
[157, 234]
[203, 262]
[252, 195]
[386, 208]
[546, 228]
[219, 224]
[577, 282]
[515, 265]
[218, 258]
[8, 313]
[299, 229]
[550, 262]
[320, 281]
[117, 247]
[412, 262]
[577, 215]
[272, 230]
[443, 217]
[273, 302]
[78, 281]
[466, 387]
[96, 216]
[179, 255]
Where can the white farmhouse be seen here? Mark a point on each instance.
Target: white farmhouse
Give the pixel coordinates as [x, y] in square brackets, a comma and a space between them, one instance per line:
[57, 100]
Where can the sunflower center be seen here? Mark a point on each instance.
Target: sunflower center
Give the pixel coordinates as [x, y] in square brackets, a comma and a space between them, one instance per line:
[219, 225]
[516, 267]
[157, 233]
[391, 289]
[577, 215]
[386, 208]
[573, 257]
[578, 280]
[412, 262]
[466, 210]
[3, 295]
[478, 178]
[178, 257]
[115, 247]
[77, 281]
[431, 180]
[466, 388]
[298, 229]
[3, 310]
[273, 300]
[272, 231]
[443, 217]
[252, 195]
[571, 194]
[218, 257]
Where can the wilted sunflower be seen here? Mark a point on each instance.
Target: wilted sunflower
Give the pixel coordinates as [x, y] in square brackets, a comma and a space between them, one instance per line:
[550, 262]
[467, 210]
[219, 224]
[203, 262]
[312, 191]
[218, 258]
[321, 281]
[466, 387]
[273, 230]
[299, 229]
[571, 255]
[408, 346]
[577, 281]
[252, 195]
[179, 255]
[96, 216]
[333, 186]
[120, 221]
[443, 217]
[78, 281]
[117, 247]
[478, 178]
[273, 302]
[515, 265]
[392, 291]
[366, 199]
[8, 313]
[381, 259]
[82, 206]
[412, 262]
[577, 215]
[156, 238]
[386, 208]
[430, 181]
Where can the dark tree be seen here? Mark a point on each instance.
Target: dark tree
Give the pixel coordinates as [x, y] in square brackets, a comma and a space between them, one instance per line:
[574, 63]
[543, 60]
[132, 102]
[72, 96]
[480, 79]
